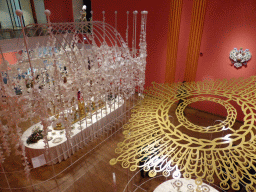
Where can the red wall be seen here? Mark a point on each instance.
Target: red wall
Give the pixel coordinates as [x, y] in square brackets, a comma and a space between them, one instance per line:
[228, 24]
[61, 10]
[157, 28]
[183, 40]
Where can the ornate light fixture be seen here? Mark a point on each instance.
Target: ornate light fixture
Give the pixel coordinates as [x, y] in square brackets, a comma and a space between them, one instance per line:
[240, 57]
[182, 148]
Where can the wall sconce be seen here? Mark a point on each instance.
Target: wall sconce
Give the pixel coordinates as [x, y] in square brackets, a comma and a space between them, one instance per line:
[240, 57]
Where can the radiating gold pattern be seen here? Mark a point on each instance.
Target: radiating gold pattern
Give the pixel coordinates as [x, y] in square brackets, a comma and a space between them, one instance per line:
[152, 137]
[231, 118]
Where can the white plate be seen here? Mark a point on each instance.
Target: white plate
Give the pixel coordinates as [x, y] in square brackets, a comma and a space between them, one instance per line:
[57, 140]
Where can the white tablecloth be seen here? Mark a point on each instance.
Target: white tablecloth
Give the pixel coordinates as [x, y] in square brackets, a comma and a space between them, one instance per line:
[184, 184]
[91, 129]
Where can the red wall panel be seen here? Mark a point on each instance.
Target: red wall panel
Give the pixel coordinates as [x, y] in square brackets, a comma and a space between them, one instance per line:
[183, 40]
[61, 10]
[157, 28]
[228, 24]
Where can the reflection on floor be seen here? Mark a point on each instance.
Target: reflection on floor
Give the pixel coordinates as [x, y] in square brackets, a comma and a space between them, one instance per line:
[91, 171]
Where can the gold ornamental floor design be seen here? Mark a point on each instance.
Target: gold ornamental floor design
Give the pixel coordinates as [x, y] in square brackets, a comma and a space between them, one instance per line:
[150, 136]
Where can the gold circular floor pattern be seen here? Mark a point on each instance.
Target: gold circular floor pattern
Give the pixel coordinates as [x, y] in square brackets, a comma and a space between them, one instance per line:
[151, 137]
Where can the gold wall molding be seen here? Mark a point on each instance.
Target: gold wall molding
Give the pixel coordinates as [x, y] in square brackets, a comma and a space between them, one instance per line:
[195, 37]
[183, 149]
[173, 40]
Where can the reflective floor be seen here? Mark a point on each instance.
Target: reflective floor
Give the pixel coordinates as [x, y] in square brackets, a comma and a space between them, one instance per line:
[91, 171]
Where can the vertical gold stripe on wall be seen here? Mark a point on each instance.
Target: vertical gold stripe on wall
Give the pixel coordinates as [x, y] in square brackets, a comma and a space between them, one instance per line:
[173, 39]
[195, 37]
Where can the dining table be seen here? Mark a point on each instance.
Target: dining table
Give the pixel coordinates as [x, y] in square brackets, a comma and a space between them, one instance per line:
[82, 132]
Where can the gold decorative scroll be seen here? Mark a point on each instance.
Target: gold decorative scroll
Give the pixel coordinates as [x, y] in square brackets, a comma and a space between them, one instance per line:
[173, 40]
[195, 36]
[180, 147]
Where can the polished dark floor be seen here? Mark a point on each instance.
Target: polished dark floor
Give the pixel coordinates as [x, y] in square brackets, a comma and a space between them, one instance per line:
[91, 171]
